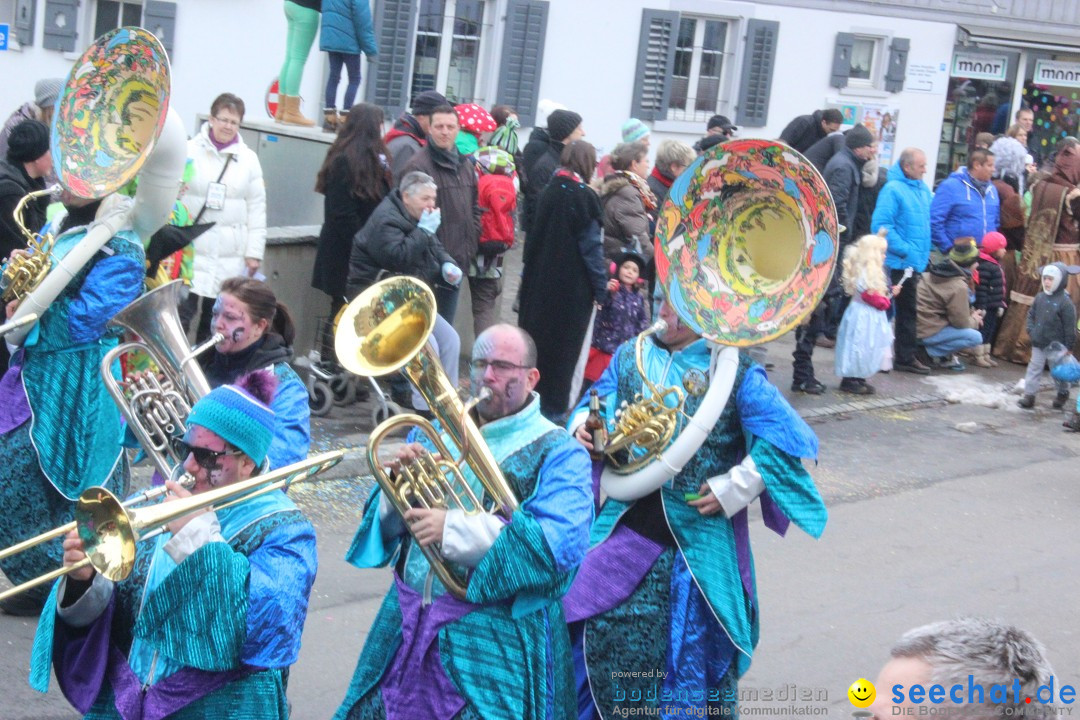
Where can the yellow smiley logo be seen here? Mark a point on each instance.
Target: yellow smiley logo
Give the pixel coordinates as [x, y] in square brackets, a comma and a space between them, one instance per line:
[861, 693]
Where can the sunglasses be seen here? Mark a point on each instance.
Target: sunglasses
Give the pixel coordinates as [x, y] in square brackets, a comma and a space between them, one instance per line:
[205, 458]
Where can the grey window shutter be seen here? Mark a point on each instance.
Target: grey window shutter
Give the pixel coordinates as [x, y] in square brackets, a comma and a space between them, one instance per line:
[841, 61]
[897, 70]
[656, 60]
[755, 85]
[388, 76]
[24, 21]
[160, 18]
[61, 19]
[522, 57]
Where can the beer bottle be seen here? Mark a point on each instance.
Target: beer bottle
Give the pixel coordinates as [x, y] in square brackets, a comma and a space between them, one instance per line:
[596, 426]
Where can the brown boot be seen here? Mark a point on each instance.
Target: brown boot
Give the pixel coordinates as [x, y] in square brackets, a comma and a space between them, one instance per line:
[989, 358]
[292, 115]
[280, 107]
[980, 356]
[331, 120]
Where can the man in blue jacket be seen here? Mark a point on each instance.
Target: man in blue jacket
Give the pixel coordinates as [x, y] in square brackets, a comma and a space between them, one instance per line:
[903, 210]
[966, 203]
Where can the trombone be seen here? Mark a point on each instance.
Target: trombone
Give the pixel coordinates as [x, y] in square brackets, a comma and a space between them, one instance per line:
[110, 529]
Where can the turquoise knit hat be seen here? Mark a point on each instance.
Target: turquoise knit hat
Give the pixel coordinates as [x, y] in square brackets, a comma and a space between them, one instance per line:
[634, 130]
[238, 417]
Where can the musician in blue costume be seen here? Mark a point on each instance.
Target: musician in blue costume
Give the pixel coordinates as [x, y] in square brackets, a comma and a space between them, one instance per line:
[60, 432]
[503, 652]
[668, 583]
[209, 621]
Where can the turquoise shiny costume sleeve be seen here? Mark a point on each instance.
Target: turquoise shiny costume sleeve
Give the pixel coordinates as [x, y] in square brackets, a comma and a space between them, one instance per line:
[562, 504]
[368, 549]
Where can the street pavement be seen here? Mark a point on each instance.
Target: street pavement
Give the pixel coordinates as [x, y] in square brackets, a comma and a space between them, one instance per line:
[944, 499]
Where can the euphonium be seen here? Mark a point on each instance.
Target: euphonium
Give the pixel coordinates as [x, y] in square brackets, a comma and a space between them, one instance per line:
[113, 122]
[110, 529]
[22, 273]
[156, 409]
[386, 329]
[745, 249]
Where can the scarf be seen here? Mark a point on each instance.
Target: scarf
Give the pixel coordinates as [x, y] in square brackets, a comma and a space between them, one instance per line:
[448, 158]
[506, 136]
[220, 145]
[661, 177]
[647, 197]
[568, 173]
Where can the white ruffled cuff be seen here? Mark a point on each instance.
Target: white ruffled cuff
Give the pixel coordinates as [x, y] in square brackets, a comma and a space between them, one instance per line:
[201, 530]
[86, 609]
[466, 538]
[738, 487]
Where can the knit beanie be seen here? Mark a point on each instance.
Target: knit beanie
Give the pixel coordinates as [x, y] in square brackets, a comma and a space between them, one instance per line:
[992, 242]
[963, 252]
[561, 123]
[495, 160]
[238, 416]
[423, 103]
[858, 137]
[634, 130]
[27, 142]
[46, 91]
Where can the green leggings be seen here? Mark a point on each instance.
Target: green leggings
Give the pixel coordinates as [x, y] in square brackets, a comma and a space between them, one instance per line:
[303, 24]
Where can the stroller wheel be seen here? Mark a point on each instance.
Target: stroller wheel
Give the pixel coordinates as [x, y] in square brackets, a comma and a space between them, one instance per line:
[380, 413]
[320, 399]
[344, 390]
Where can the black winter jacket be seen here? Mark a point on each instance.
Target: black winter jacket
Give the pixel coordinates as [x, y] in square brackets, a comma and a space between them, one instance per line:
[224, 368]
[345, 214]
[990, 292]
[822, 151]
[459, 231]
[803, 131]
[1053, 317]
[391, 241]
[843, 175]
[541, 157]
[14, 184]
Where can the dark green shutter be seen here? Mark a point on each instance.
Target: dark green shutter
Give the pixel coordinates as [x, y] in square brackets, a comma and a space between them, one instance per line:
[522, 57]
[388, 72]
[755, 85]
[656, 60]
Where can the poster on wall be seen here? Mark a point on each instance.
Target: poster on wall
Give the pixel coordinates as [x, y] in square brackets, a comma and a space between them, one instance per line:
[879, 119]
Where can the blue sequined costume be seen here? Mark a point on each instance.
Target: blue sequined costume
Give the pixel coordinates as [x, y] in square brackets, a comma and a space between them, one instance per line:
[211, 636]
[504, 652]
[60, 432]
[669, 593]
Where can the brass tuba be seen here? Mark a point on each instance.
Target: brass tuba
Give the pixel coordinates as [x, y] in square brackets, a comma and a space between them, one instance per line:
[113, 122]
[746, 245]
[386, 329]
[156, 409]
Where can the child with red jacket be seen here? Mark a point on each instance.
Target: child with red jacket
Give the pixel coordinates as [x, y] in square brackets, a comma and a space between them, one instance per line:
[496, 191]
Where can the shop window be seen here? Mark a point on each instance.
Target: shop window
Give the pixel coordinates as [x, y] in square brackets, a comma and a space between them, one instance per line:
[447, 49]
[697, 75]
[112, 14]
[1052, 92]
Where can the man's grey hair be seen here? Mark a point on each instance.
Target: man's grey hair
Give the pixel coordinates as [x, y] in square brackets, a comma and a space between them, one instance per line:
[415, 181]
[991, 651]
[907, 157]
[670, 152]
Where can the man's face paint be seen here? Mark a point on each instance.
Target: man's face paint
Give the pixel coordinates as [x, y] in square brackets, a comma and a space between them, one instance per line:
[233, 320]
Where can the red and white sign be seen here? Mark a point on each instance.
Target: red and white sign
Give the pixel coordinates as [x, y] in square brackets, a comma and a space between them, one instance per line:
[272, 99]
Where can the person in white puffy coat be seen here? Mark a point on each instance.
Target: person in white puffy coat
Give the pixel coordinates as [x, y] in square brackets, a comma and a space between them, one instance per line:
[236, 204]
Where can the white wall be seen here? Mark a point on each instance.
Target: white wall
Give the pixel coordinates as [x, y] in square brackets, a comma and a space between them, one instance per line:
[591, 55]
[221, 46]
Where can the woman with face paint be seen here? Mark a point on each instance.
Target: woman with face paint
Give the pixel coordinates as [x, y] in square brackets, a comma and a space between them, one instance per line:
[258, 334]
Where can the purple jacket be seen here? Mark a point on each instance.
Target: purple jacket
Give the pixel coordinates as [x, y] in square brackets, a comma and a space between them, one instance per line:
[622, 317]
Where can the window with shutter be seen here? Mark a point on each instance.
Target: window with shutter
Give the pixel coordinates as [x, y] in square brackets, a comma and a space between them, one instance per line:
[522, 57]
[656, 60]
[160, 18]
[61, 19]
[755, 86]
[388, 73]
